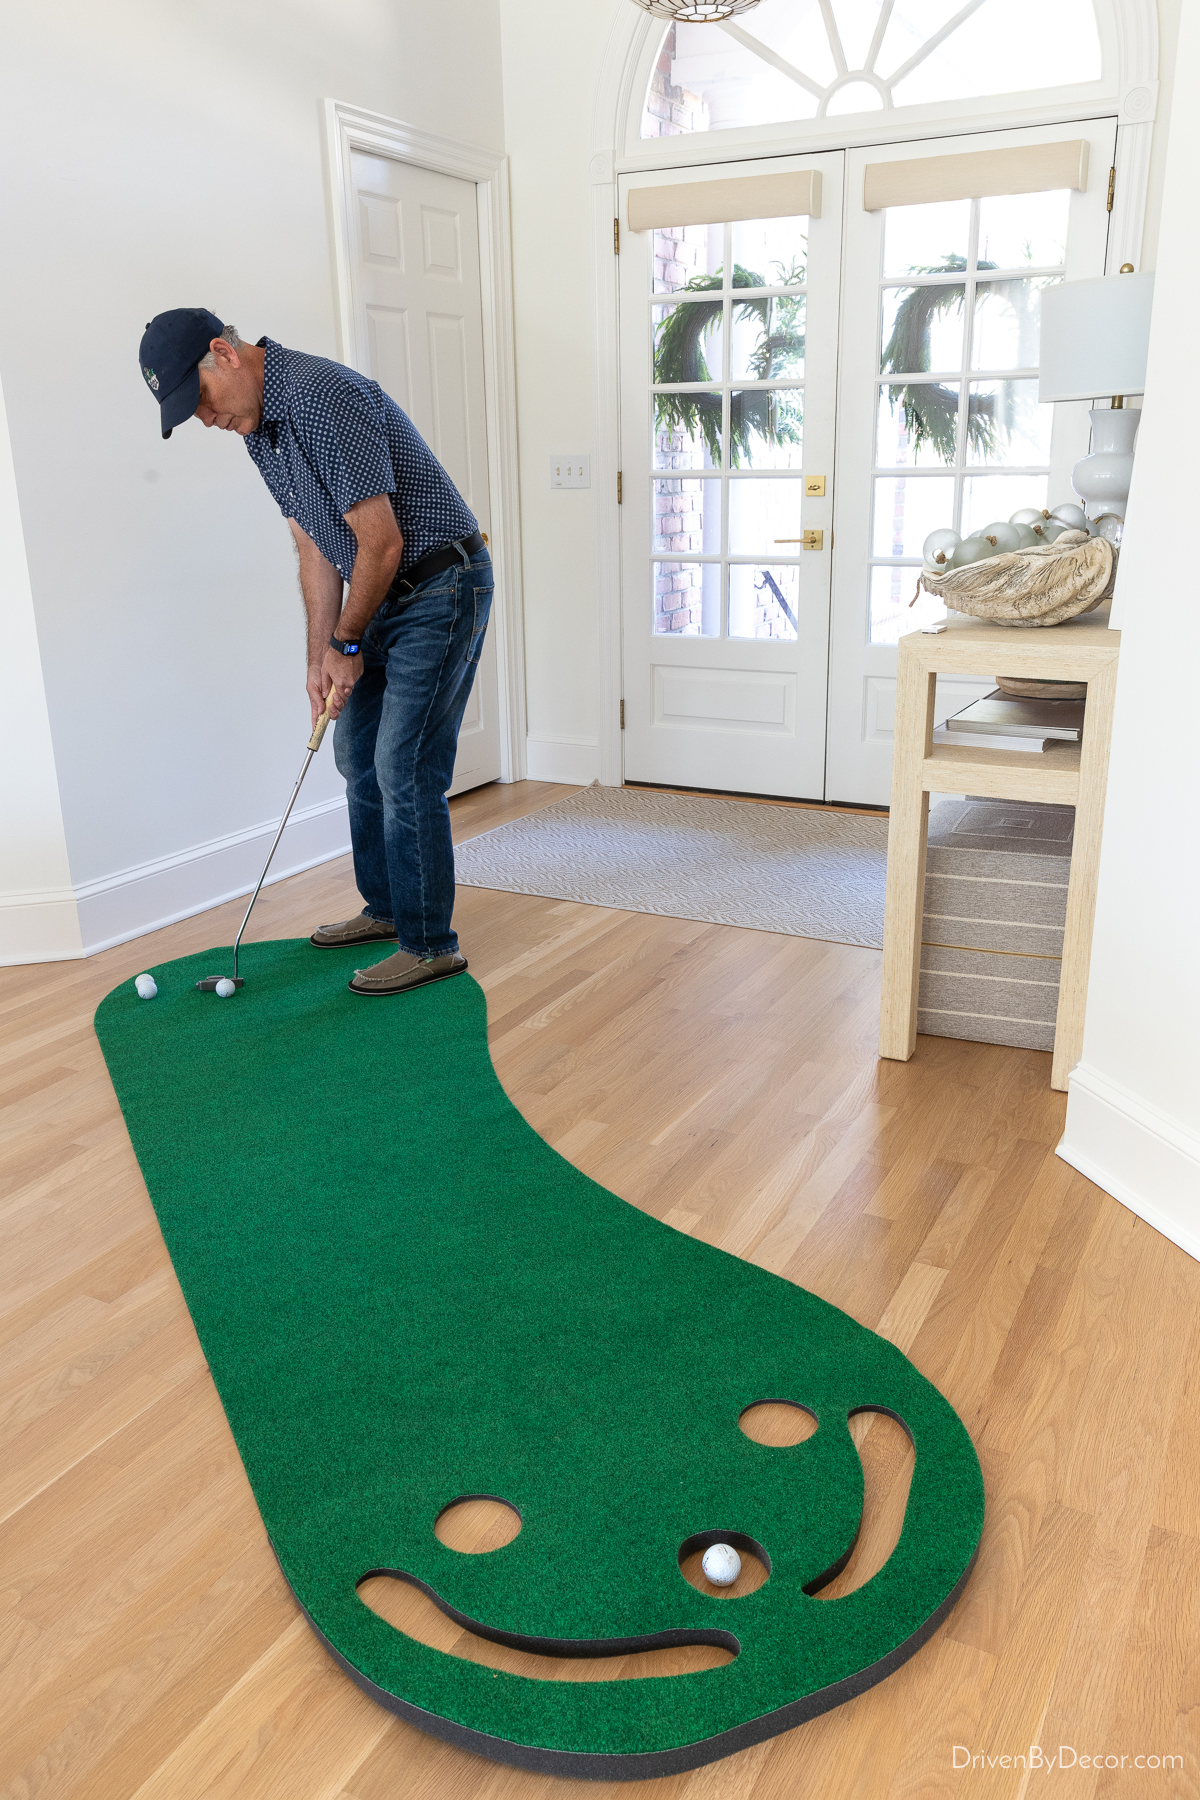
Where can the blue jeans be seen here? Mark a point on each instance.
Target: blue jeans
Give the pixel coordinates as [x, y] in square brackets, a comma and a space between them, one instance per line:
[395, 743]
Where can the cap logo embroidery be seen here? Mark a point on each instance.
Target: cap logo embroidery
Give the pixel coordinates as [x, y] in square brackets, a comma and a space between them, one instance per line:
[151, 378]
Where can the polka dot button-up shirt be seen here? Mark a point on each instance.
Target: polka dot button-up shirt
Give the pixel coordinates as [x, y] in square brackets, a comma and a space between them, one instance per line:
[330, 438]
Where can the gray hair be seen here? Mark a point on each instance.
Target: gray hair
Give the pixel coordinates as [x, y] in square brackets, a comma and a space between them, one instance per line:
[230, 334]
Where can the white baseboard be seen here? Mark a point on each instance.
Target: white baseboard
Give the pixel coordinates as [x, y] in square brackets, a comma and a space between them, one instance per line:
[135, 901]
[568, 759]
[42, 926]
[132, 902]
[1142, 1157]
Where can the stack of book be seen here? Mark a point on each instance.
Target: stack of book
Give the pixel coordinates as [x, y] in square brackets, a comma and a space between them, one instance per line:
[1002, 722]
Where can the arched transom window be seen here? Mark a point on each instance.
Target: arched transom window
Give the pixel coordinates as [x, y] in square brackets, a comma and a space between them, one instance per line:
[811, 59]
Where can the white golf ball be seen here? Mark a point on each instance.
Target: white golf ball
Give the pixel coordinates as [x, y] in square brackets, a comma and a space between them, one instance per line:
[225, 987]
[146, 986]
[722, 1564]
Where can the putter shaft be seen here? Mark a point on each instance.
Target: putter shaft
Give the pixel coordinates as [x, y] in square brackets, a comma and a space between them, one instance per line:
[308, 756]
[314, 744]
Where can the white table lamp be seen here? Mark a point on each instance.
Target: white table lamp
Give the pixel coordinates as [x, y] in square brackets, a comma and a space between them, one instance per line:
[1094, 338]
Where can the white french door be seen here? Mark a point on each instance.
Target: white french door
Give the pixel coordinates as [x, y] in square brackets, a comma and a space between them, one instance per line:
[938, 416]
[418, 330]
[729, 359]
[750, 663]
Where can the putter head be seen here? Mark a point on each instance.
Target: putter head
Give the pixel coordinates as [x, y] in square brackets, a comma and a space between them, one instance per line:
[209, 984]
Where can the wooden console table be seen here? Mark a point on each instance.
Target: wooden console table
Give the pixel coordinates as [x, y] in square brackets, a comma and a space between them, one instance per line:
[1065, 775]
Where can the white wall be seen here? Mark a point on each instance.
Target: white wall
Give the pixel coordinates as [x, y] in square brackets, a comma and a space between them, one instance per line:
[551, 54]
[1133, 1111]
[157, 156]
[1168, 39]
[39, 920]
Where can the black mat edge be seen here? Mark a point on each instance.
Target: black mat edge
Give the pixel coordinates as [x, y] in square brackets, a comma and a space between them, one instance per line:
[590, 1765]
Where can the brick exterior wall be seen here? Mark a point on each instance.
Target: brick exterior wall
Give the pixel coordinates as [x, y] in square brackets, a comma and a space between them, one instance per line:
[671, 110]
[769, 619]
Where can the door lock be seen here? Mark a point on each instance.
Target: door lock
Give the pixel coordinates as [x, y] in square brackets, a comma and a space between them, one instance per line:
[814, 486]
[812, 540]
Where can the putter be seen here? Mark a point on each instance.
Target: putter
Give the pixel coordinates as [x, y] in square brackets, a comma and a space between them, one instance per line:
[208, 985]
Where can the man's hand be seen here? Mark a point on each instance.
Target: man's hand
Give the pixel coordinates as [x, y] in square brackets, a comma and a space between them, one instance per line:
[342, 672]
[317, 687]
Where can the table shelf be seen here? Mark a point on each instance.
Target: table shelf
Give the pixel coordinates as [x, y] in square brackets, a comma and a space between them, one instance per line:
[1075, 775]
[1051, 776]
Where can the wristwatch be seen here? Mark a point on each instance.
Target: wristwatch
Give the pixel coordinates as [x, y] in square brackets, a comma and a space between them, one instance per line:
[345, 646]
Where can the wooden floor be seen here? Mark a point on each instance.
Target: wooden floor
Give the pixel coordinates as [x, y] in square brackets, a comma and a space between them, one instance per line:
[725, 1080]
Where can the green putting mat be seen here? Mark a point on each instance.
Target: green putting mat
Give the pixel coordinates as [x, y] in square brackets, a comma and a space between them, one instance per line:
[406, 1296]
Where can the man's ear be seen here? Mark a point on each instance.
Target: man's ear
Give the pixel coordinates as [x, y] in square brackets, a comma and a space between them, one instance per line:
[225, 353]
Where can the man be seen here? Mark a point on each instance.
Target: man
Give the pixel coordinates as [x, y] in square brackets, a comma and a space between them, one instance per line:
[395, 653]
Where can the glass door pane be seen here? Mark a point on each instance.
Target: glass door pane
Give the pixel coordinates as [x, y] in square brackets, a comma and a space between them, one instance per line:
[938, 417]
[728, 398]
[728, 371]
[960, 307]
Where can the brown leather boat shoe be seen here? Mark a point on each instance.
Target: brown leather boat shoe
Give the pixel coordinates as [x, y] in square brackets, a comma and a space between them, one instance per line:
[354, 931]
[397, 974]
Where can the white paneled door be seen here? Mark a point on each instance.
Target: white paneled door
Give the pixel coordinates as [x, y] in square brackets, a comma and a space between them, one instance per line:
[938, 415]
[418, 322]
[729, 363]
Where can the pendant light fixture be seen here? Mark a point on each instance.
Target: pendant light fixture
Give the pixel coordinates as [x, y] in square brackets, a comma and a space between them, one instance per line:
[696, 12]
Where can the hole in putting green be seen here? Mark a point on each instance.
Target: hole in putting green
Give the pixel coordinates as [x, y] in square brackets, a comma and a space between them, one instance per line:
[414, 1612]
[756, 1564]
[477, 1523]
[888, 1459]
[777, 1423]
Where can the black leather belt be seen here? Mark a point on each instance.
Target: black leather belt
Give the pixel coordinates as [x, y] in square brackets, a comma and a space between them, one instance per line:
[434, 563]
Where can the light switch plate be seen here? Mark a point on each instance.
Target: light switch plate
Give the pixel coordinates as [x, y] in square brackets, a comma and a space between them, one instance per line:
[568, 471]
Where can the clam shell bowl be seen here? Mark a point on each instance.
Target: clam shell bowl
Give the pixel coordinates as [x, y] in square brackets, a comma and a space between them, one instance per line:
[1045, 586]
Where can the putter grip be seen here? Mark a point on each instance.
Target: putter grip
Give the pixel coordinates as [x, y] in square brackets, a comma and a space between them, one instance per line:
[314, 742]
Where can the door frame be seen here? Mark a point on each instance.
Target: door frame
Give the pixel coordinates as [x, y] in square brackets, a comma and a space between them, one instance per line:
[349, 128]
[1130, 25]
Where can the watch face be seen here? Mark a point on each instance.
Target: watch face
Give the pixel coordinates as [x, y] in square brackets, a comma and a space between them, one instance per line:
[349, 649]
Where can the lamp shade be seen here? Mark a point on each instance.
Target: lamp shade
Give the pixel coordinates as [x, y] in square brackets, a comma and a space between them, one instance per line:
[1094, 337]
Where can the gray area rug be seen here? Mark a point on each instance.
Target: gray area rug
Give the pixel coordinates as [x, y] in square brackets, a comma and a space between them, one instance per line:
[725, 862]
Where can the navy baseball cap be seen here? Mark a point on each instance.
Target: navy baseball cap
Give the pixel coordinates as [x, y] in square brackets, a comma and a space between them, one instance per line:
[172, 345]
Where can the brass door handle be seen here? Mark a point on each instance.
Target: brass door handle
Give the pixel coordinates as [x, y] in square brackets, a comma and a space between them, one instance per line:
[812, 540]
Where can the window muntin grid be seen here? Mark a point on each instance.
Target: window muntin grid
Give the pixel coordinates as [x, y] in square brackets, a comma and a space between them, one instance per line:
[960, 439]
[790, 61]
[728, 317]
